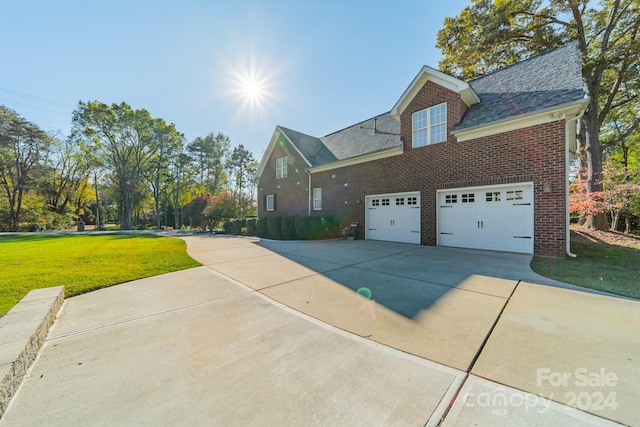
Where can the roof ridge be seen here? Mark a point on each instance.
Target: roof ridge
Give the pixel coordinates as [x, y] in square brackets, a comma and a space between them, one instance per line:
[573, 42]
[356, 124]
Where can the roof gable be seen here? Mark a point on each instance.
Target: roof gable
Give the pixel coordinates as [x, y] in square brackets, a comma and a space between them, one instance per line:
[426, 74]
[278, 137]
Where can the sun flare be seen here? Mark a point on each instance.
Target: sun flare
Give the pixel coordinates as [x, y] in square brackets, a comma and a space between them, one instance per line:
[252, 88]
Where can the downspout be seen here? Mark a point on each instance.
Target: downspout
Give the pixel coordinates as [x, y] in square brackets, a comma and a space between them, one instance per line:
[309, 191]
[566, 165]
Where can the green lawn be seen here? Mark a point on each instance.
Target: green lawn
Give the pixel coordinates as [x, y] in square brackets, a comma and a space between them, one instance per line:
[601, 266]
[83, 263]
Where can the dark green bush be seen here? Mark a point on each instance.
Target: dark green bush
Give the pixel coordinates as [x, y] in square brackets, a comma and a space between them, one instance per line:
[228, 227]
[238, 224]
[316, 227]
[252, 226]
[303, 227]
[330, 227]
[274, 227]
[289, 228]
[261, 227]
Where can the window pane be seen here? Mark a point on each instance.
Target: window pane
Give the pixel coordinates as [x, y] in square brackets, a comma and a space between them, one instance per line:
[438, 133]
[438, 114]
[317, 199]
[281, 167]
[420, 138]
[419, 120]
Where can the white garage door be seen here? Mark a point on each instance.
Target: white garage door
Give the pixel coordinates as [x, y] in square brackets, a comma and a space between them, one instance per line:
[495, 218]
[393, 217]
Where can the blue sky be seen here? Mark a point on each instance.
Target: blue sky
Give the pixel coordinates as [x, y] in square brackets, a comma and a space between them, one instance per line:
[319, 65]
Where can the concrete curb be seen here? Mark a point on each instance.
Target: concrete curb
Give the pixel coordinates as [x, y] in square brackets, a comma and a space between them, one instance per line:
[23, 330]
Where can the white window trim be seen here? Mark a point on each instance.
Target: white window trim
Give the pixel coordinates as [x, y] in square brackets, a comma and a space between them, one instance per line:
[428, 125]
[317, 199]
[269, 202]
[281, 169]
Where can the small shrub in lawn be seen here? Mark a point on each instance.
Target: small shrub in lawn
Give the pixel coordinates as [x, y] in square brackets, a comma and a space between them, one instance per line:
[289, 228]
[252, 227]
[274, 227]
[238, 225]
[261, 227]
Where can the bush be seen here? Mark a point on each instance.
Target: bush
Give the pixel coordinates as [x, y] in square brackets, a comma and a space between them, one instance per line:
[289, 228]
[238, 224]
[316, 227]
[261, 227]
[228, 227]
[252, 227]
[274, 227]
[303, 227]
[330, 227]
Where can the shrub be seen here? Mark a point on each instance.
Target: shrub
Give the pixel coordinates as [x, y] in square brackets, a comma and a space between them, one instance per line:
[274, 227]
[303, 227]
[238, 224]
[330, 227]
[289, 228]
[252, 226]
[316, 227]
[228, 227]
[261, 227]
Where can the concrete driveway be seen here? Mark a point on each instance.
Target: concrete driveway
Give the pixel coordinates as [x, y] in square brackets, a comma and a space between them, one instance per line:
[338, 333]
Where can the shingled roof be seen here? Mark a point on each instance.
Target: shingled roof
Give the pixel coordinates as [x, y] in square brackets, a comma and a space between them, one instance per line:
[538, 83]
[375, 134]
[547, 80]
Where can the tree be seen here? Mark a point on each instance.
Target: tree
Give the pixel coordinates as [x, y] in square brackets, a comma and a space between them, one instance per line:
[622, 169]
[168, 143]
[64, 186]
[123, 141]
[491, 34]
[180, 177]
[221, 206]
[209, 155]
[22, 145]
[242, 167]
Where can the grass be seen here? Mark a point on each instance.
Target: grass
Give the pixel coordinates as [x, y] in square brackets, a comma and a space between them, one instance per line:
[606, 261]
[83, 263]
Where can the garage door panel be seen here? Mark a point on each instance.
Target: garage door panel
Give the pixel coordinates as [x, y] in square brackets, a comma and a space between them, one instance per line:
[495, 218]
[393, 217]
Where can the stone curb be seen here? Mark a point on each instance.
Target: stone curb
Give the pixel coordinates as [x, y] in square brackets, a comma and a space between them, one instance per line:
[23, 330]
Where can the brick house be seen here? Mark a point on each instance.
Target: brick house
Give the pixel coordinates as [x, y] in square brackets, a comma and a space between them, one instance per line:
[480, 164]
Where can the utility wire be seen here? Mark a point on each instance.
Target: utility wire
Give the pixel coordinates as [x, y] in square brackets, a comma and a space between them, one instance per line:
[33, 106]
[36, 98]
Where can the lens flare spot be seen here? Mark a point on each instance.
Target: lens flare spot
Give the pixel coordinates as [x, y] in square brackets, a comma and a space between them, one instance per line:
[365, 292]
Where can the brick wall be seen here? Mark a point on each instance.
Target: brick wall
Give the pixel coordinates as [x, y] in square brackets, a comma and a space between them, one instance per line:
[534, 154]
[292, 197]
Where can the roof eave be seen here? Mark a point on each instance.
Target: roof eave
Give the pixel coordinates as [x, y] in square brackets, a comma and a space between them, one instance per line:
[363, 158]
[546, 115]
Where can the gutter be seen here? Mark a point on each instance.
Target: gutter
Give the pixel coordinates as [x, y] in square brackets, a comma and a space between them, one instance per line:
[566, 165]
[309, 191]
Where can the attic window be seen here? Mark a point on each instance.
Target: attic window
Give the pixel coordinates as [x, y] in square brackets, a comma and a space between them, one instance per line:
[281, 167]
[429, 125]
